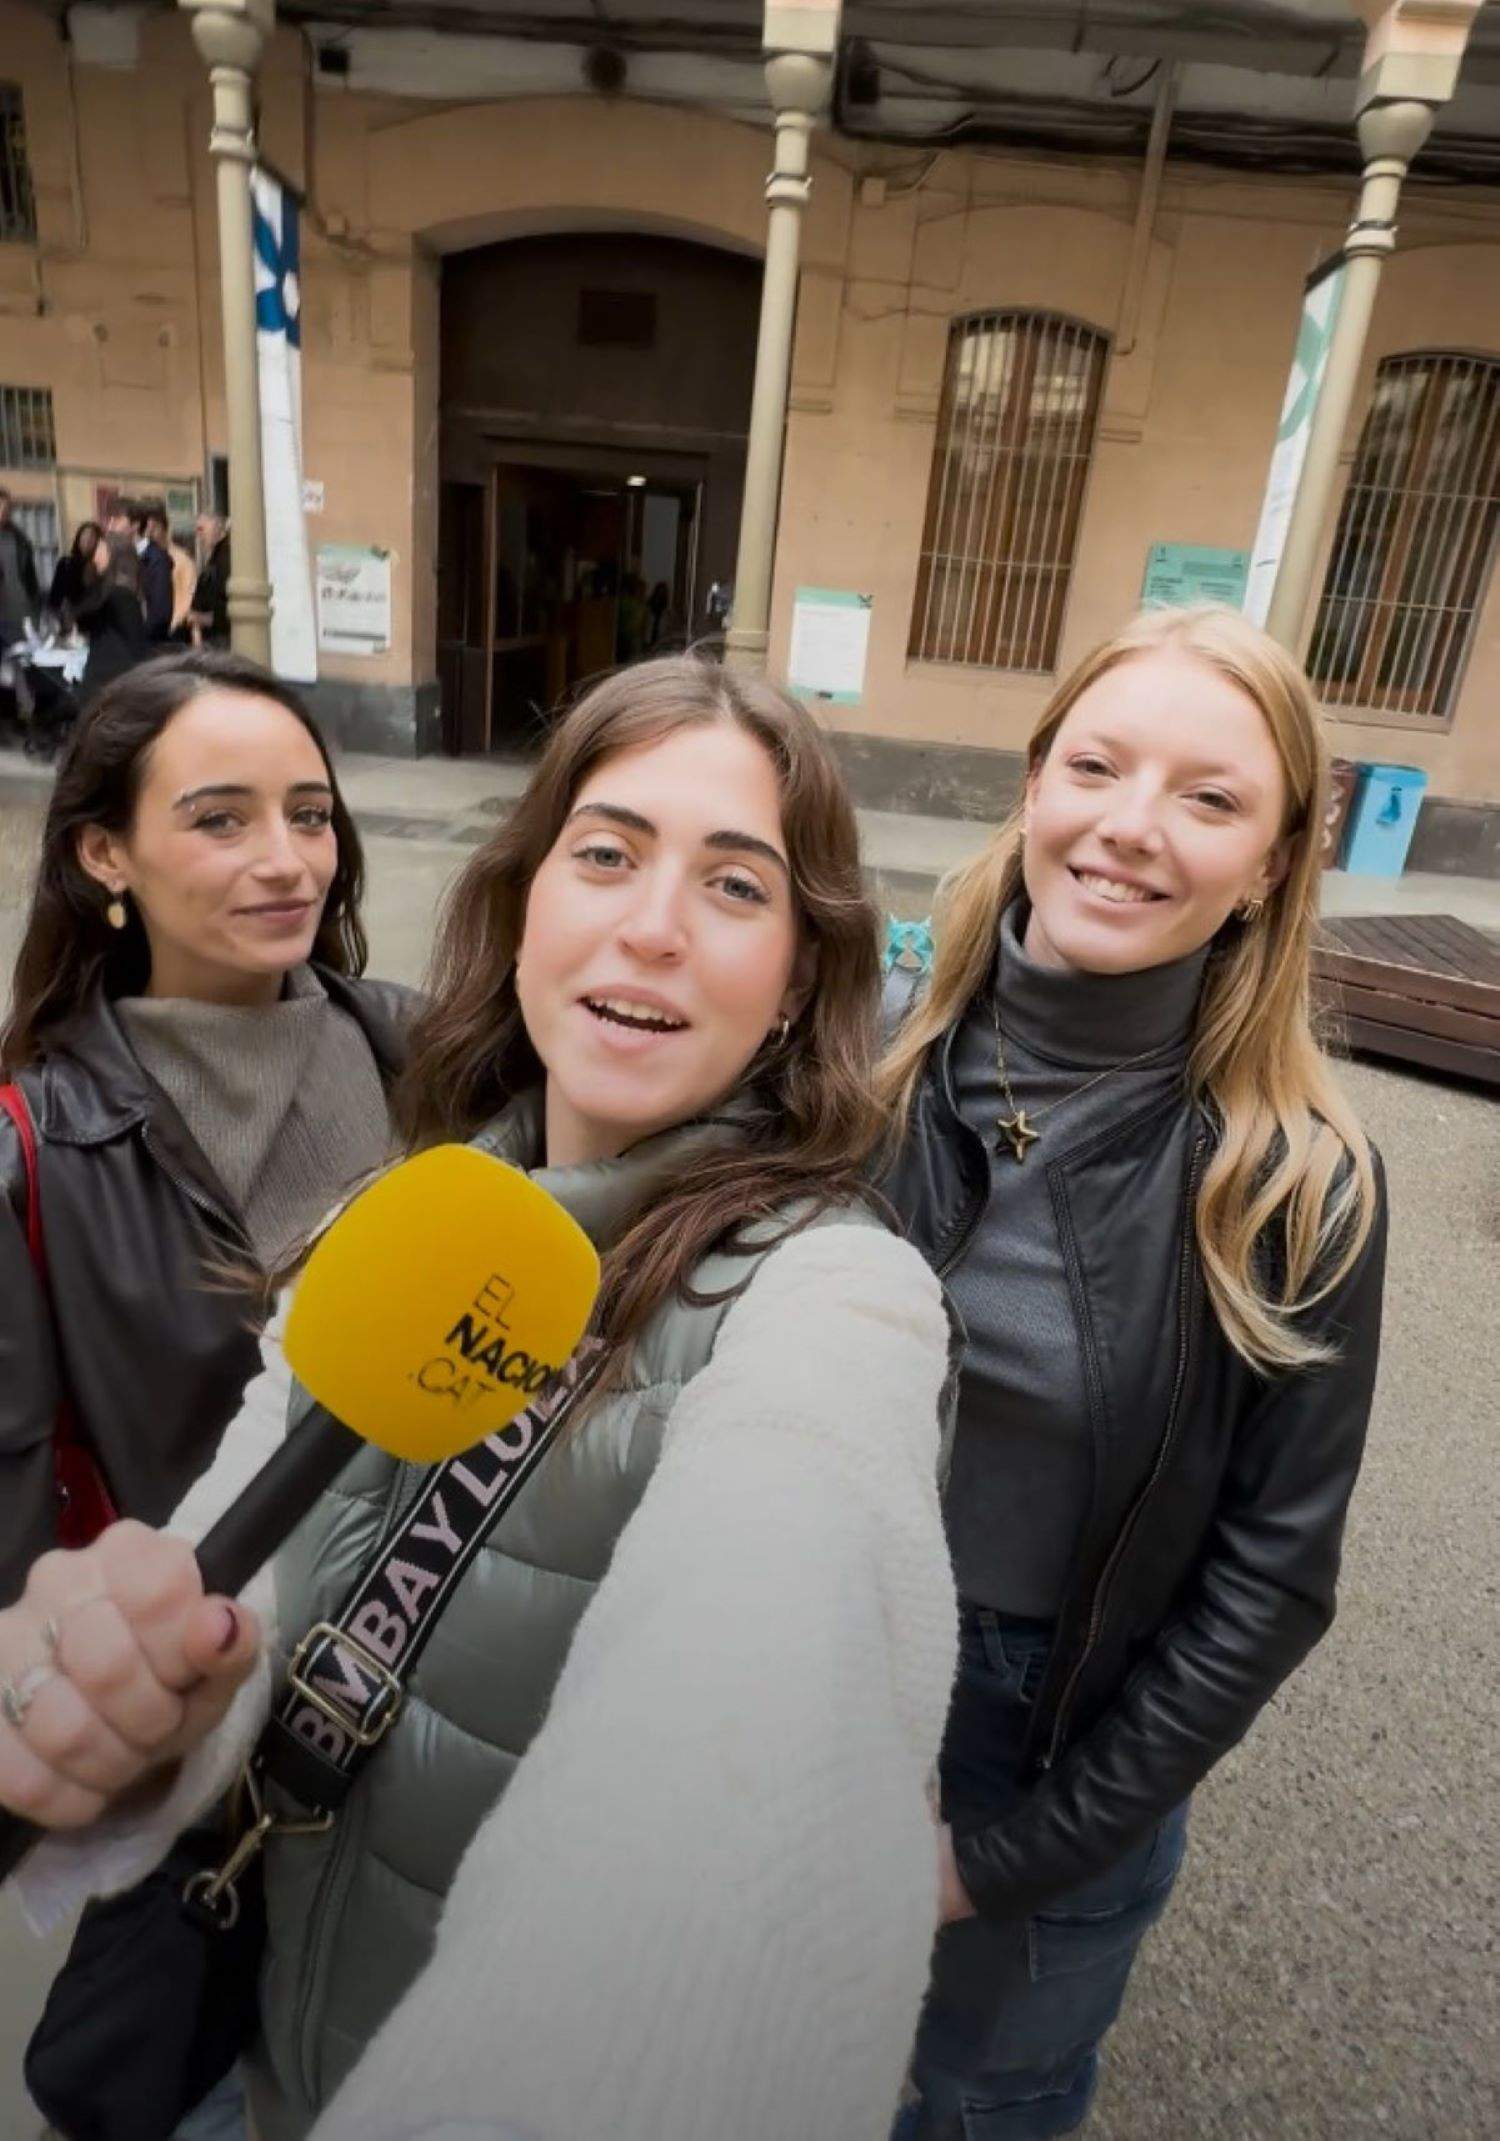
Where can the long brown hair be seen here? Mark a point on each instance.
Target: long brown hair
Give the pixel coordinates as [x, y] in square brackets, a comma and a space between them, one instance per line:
[1289, 1149]
[69, 950]
[816, 1120]
[122, 568]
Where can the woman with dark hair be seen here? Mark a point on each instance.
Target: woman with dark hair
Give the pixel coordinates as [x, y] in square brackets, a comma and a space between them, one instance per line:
[704, 1903]
[70, 579]
[201, 1068]
[108, 613]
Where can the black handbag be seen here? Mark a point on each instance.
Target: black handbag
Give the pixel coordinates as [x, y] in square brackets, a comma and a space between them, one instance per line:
[160, 1991]
[153, 2006]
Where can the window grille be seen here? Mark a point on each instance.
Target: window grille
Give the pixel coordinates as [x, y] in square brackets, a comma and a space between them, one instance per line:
[1411, 554]
[26, 435]
[1016, 425]
[17, 205]
[38, 518]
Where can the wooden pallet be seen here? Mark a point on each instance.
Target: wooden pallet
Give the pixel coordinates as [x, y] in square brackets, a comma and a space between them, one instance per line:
[1422, 988]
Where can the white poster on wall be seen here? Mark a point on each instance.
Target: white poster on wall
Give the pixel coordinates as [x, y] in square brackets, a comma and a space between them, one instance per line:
[830, 643]
[1320, 311]
[354, 599]
[278, 338]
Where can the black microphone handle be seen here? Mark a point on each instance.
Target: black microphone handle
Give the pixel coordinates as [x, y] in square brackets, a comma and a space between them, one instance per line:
[261, 1518]
[244, 1540]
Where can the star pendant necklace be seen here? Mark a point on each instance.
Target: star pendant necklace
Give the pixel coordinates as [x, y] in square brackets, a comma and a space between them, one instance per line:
[1016, 1128]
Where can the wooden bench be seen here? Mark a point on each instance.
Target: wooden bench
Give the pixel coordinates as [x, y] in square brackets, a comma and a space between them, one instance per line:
[1422, 988]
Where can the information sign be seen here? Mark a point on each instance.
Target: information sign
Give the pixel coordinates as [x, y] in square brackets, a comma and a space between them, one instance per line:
[1180, 573]
[830, 644]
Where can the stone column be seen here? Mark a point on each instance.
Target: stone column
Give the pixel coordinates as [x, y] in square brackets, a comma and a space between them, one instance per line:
[1413, 55]
[802, 40]
[231, 36]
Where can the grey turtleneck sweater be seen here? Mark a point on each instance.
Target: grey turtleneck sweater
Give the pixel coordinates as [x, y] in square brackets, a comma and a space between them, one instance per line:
[1021, 1473]
[284, 1101]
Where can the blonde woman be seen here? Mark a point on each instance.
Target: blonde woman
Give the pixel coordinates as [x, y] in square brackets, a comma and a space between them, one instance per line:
[1124, 1151]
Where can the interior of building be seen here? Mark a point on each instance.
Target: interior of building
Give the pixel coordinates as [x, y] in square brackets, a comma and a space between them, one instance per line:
[591, 467]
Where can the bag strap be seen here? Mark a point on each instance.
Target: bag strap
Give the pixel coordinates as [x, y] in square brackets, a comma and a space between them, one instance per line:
[13, 1102]
[348, 1676]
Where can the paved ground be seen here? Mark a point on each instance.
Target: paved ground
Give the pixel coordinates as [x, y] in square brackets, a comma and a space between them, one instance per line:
[1328, 1967]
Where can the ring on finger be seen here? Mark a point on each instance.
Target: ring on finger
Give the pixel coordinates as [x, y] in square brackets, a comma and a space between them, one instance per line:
[18, 1694]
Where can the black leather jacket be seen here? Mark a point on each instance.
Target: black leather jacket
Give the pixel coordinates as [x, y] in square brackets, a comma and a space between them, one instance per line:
[1210, 1553]
[154, 1351]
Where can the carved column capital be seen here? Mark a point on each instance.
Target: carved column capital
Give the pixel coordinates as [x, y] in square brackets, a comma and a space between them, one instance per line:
[231, 33]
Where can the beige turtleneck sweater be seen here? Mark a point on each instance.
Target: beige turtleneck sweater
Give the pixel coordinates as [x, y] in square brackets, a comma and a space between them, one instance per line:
[284, 1101]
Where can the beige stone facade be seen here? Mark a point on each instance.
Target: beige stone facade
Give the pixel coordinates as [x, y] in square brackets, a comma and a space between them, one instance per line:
[115, 310]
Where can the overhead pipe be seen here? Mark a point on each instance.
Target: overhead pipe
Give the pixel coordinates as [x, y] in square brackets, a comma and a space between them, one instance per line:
[1128, 327]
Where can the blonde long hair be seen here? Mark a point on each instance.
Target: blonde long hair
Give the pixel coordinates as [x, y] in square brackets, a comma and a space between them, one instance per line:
[1289, 1148]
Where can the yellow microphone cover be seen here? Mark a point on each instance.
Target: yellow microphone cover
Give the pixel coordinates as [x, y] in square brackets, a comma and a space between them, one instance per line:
[440, 1302]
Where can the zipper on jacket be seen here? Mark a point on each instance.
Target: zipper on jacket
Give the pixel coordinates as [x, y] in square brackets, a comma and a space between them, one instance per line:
[325, 1915]
[194, 1195]
[1163, 1451]
[966, 1235]
[981, 1198]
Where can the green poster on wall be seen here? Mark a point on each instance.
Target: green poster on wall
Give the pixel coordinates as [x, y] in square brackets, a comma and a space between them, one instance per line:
[1179, 573]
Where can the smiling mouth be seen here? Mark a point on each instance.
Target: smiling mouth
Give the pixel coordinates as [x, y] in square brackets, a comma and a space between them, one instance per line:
[278, 908]
[638, 1018]
[1115, 889]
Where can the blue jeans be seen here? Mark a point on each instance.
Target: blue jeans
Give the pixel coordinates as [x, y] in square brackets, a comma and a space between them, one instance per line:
[1008, 2046]
[221, 2115]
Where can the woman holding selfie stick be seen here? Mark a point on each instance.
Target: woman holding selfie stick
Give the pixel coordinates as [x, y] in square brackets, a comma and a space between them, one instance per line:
[654, 989]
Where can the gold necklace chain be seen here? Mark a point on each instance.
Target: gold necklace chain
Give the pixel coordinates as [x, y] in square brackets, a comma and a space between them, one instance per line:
[1016, 1128]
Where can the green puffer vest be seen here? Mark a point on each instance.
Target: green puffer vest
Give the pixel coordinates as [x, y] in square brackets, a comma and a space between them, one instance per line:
[353, 1913]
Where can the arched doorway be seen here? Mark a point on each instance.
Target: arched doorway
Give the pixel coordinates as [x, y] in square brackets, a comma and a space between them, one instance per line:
[595, 400]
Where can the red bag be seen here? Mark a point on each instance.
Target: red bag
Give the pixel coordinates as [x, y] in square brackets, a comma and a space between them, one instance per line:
[81, 1496]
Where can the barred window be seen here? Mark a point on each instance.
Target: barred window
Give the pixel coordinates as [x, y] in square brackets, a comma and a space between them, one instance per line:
[17, 205]
[37, 518]
[1016, 425]
[26, 435]
[1411, 554]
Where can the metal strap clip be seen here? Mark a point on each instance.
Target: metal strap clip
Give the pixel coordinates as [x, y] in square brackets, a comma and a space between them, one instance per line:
[383, 1710]
[212, 1892]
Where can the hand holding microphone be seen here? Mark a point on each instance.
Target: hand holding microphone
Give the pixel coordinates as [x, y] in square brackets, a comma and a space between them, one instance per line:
[433, 1310]
[118, 1664]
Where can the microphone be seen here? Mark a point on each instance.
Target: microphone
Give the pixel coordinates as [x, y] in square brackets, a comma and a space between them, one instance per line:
[436, 1307]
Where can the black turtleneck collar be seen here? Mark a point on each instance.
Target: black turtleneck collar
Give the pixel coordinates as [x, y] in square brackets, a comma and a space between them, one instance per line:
[1085, 1021]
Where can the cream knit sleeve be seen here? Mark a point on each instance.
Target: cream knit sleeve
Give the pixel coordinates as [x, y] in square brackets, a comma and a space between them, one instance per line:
[70, 1866]
[706, 1903]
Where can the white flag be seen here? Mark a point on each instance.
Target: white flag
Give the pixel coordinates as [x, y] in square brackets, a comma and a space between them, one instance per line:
[278, 336]
[1320, 311]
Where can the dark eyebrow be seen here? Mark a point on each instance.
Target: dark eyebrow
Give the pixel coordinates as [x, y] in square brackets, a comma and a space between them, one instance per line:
[238, 788]
[630, 819]
[738, 843]
[746, 843]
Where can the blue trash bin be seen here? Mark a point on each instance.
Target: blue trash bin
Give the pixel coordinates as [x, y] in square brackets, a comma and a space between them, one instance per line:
[1383, 820]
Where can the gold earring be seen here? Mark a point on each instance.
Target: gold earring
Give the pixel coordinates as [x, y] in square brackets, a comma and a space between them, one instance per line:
[1250, 910]
[114, 913]
[780, 1033]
